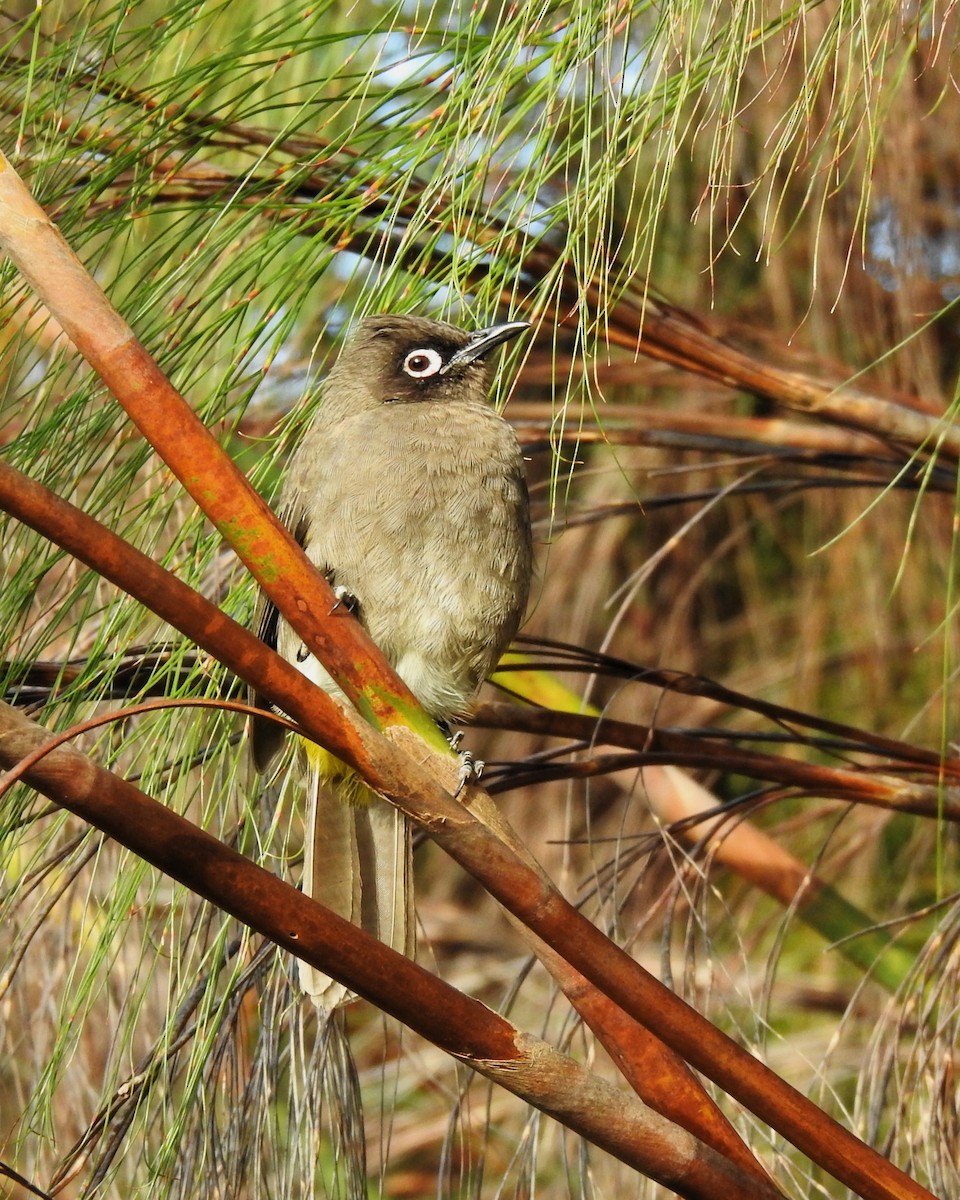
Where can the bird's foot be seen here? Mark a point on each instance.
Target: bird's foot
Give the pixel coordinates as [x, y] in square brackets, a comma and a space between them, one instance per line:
[471, 768]
[346, 599]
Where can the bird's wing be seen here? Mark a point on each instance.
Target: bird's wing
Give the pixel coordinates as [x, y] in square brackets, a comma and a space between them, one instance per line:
[266, 737]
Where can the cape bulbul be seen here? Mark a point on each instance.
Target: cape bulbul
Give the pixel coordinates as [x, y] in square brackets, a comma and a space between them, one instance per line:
[408, 493]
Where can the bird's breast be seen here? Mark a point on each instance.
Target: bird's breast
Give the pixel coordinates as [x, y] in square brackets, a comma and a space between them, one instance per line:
[426, 525]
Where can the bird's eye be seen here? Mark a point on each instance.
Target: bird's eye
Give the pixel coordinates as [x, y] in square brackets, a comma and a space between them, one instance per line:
[421, 364]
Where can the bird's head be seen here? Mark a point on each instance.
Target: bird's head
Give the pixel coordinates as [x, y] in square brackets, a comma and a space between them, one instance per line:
[408, 360]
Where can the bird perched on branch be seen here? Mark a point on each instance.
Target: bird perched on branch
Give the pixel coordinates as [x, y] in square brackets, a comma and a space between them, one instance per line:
[408, 493]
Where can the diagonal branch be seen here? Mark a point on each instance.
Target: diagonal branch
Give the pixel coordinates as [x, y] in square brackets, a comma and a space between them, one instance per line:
[666, 746]
[530, 1068]
[376, 225]
[395, 766]
[219, 488]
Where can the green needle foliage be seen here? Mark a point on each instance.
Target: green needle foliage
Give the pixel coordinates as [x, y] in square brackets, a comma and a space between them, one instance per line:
[245, 179]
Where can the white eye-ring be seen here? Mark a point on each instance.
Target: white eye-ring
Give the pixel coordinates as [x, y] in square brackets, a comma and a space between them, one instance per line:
[421, 364]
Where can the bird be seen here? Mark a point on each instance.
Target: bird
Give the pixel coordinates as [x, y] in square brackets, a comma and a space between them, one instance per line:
[408, 492]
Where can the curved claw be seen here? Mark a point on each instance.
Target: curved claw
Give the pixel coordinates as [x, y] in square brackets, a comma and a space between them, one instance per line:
[346, 598]
[470, 771]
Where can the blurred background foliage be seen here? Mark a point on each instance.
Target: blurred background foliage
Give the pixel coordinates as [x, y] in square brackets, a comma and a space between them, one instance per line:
[245, 179]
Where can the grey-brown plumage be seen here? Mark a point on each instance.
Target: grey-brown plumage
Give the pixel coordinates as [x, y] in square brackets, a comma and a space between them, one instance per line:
[408, 492]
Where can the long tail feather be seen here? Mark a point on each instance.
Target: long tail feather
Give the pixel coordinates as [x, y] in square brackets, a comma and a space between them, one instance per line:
[331, 874]
[386, 868]
[358, 861]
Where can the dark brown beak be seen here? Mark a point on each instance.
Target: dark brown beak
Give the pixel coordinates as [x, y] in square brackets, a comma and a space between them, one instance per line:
[482, 342]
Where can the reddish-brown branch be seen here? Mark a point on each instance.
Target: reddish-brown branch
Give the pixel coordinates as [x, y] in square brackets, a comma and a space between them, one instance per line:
[521, 889]
[248, 657]
[185, 609]
[639, 324]
[660, 746]
[212, 479]
[458, 1024]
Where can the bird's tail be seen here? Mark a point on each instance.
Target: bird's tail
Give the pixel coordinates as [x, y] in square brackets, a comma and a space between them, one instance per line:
[358, 861]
